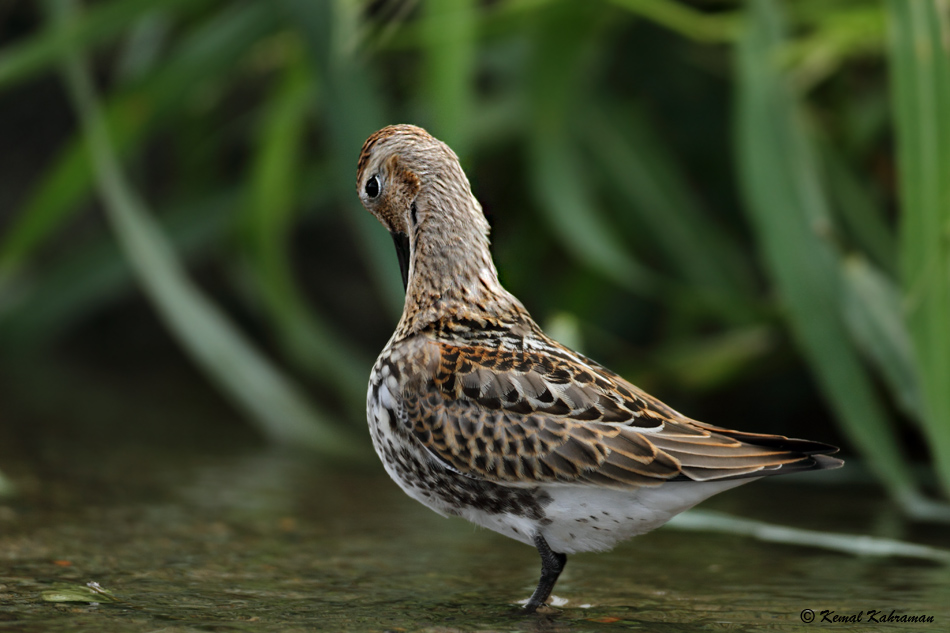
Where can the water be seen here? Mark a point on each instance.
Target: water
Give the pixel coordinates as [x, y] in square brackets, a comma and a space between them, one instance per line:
[217, 539]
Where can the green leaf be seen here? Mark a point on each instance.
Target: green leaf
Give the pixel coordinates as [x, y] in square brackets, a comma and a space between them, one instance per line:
[56, 295]
[272, 196]
[872, 305]
[251, 382]
[713, 361]
[79, 282]
[207, 51]
[354, 110]
[563, 42]
[920, 61]
[789, 212]
[838, 32]
[144, 46]
[565, 199]
[688, 22]
[861, 214]
[856, 544]
[94, 25]
[640, 168]
[451, 27]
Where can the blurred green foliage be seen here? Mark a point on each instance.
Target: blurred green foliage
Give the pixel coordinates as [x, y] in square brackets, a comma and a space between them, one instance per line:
[701, 194]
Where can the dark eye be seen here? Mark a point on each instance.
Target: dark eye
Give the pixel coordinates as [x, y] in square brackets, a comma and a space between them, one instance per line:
[372, 187]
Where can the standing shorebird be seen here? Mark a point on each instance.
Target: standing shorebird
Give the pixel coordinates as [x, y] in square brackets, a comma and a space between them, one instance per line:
[476, 413]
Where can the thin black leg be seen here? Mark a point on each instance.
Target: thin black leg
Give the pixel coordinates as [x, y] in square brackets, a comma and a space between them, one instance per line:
[552, 564]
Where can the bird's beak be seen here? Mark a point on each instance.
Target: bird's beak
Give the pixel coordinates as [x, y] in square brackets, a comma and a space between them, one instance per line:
[401, 240]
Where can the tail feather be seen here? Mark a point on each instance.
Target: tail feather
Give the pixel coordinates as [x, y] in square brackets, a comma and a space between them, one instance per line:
[783, 455]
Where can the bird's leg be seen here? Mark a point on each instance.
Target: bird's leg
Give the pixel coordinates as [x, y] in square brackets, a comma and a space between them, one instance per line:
[552, 564]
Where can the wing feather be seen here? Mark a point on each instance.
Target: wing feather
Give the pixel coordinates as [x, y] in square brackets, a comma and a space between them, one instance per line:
[553, 416]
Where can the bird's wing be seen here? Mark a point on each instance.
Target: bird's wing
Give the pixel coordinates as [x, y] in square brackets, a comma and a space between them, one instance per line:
[550, 415]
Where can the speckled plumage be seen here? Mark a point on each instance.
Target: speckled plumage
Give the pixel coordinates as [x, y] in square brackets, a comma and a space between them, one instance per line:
[476, 413]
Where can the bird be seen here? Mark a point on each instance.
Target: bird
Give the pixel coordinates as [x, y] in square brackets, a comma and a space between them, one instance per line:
[476, 413]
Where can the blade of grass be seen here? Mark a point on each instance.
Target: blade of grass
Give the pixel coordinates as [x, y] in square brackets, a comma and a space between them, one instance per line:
[100, 22]
[495, 19]
[353, 110]
[55, 296]
[857, 544]
[861, 214]
[873, 312]
[688, 22]
[788, 211]
[252, 383]
[835, 34]
[449, 73]
[710, 362]
[562, 43]
[567, 203]
[920, 58]
[143, 46]
[268, 218]
[207, 51]
[92, 273]
[641, 169]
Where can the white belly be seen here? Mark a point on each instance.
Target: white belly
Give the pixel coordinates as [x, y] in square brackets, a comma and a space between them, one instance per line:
[585, 519]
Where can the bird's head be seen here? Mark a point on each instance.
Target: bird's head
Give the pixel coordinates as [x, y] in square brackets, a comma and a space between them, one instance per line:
[409, 179]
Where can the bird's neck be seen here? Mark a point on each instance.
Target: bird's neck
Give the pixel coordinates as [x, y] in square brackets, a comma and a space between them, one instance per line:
[451, 273]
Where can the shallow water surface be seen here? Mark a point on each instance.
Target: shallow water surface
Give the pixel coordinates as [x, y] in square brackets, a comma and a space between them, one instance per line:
[260, 540]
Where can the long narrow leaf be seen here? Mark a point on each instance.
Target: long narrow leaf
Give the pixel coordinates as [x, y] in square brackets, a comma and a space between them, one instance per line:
[208, 50]
[450, 69]
[104, 20]
[353, 111]
[273, 192]
[91, 274]
[228, 359]
[873, 312]
[566, 201]
[641, 169]
[857, 544]
[53, 297]
[562, 44]
[860, 212]
[920, 59]
[684, 20]
[789, 212]
[143, 46]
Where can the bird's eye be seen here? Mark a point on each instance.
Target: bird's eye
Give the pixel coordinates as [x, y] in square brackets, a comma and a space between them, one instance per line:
[372, 187]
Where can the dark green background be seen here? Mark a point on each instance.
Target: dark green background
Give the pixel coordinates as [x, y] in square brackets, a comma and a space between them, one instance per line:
[703, 196]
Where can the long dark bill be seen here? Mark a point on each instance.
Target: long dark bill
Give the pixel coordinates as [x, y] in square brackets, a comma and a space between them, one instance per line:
[401, 240]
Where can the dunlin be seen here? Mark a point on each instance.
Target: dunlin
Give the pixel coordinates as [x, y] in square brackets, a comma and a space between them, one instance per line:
[476, 413]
